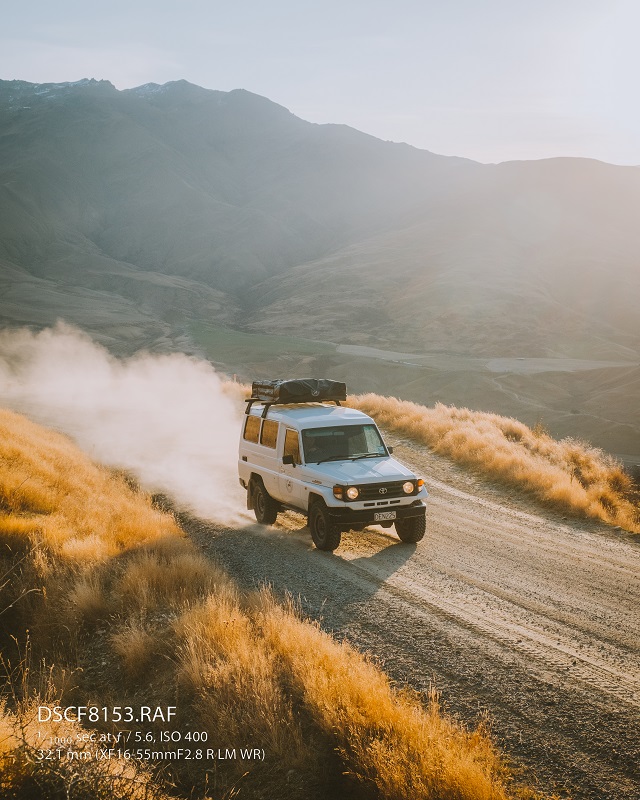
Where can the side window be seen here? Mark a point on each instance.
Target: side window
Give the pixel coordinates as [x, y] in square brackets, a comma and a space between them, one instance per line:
[292, 445]
[252, 429]
[269, 434]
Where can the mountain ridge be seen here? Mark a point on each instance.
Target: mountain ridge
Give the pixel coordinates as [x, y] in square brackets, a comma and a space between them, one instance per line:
[138, 214]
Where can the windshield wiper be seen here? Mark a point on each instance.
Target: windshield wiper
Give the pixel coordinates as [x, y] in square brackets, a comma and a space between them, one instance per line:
[350, 458]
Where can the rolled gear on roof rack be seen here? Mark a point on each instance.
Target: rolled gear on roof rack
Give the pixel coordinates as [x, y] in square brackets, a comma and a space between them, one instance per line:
[302, 390]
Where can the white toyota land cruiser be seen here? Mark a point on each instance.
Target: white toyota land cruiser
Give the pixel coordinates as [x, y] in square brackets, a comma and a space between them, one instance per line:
[299, 452]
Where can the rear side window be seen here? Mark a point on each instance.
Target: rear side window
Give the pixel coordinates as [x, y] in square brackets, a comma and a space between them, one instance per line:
[252, 429]
[292, 445]
[269, 434]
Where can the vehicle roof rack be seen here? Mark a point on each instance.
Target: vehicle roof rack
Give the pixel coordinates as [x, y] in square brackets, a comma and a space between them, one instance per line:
[301, 390]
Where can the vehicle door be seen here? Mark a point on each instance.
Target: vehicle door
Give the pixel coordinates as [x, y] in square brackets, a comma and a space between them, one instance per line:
[291, 485]
[266, 457]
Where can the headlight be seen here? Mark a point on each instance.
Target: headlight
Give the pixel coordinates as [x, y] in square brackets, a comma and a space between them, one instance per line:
[408, 487]
[352, 493]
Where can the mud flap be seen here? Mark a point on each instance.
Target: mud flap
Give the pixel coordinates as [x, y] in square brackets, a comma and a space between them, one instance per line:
[250, 497]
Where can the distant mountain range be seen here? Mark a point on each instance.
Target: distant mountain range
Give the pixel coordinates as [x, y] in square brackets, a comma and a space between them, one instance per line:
[137, 213]
[163, 201]
[160, 201]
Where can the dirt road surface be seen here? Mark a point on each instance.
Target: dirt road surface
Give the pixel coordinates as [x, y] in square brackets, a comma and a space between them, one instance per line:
[512, 612]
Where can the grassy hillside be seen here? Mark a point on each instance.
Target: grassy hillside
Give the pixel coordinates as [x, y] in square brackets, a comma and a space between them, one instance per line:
[570, 475]
[122, 610]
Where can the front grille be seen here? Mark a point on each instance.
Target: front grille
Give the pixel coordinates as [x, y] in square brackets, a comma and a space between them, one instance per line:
[371, 491]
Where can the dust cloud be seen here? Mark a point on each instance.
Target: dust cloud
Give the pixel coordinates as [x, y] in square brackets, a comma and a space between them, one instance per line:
[164, 418]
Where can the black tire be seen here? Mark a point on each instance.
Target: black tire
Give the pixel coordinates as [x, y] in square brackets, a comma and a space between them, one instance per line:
[264, 506]
[325, 535]
[411, 530]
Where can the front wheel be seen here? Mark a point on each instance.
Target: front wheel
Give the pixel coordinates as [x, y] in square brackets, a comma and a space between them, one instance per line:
[411, 530]
[325, 535]
[264, 506]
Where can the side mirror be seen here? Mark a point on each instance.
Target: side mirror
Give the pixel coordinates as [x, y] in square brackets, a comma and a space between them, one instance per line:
[288, 459]
[390, 449]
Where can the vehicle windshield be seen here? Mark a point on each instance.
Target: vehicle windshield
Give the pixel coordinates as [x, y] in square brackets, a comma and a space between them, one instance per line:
[342, 443]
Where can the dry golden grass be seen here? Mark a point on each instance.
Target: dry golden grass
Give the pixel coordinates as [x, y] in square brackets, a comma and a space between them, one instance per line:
[238, 680]
[567, 474]
[87, 601]
[386, 739]
[167, 571]
[246, 670]
[136, 645]
[49, 486]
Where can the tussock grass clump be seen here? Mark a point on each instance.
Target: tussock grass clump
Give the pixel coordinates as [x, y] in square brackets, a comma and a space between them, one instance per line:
[238, 680]
[136, 645]
[169, 571]
[128, 613]
[568, 474]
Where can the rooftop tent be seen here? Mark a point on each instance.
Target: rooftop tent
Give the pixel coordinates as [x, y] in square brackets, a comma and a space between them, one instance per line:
[303, 390]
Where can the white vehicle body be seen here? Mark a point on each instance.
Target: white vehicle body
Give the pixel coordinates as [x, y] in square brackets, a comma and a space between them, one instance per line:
[311, 454]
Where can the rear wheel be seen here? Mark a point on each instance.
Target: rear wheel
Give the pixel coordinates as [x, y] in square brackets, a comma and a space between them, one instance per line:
[411, 530]
[325, 534]
[264, 506]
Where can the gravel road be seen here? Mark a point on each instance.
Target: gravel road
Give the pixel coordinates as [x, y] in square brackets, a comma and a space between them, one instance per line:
[513, 613]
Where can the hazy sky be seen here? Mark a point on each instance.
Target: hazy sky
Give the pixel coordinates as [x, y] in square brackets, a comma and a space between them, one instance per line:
[487, 79]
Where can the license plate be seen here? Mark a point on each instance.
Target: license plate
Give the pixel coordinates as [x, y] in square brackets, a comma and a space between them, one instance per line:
[383, 516]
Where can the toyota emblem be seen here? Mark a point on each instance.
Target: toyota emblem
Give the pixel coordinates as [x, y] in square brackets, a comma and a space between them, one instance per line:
[382, 491]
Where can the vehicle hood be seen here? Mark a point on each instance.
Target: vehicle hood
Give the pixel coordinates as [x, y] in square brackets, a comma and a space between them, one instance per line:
[364, 470]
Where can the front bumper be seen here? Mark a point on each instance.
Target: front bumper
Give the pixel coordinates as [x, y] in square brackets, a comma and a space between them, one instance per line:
[346, 517]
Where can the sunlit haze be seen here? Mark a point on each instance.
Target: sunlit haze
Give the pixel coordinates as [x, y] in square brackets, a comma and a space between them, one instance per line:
[491, 81]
